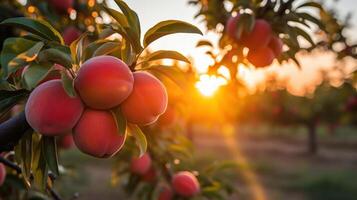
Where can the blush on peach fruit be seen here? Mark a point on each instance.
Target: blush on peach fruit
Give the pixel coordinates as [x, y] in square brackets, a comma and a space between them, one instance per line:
[2, 174]
[166, 194]
[70, 34]
[97, 134]
[167, 118]
[261, 57]
[259, 36]
[65, 141]
[50, 111]
[276, 45]
[61, 5]
[104, 82]
[147, 101]
[185, 184]
[141, 165]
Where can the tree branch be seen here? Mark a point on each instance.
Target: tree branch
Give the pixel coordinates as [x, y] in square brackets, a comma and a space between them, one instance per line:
[12, 130]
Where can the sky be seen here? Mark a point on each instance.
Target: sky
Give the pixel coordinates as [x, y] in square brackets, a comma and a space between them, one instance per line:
[153, 11]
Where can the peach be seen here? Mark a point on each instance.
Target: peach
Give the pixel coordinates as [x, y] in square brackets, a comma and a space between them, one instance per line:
[231, 27]
[261, 57]
[2, 174]
[141, 165]
[50, 111]
[65, 141]
[147, 101]
[97, 134]
[61, 5]
[167, 118]
[185, 184]
[259, 37]
[104, 82]
[166, 194]
[149, 176]
[276, 45]
[70, 34]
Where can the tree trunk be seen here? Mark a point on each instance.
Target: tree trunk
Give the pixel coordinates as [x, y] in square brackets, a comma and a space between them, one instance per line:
[312, 139]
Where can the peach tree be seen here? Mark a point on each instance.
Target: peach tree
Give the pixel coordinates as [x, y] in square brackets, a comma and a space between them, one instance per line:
[93, 84]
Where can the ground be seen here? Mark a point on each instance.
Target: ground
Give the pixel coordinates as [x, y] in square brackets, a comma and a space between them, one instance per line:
[279, 162]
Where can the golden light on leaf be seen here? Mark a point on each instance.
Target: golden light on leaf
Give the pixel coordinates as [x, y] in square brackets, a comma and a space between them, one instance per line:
[208, 85]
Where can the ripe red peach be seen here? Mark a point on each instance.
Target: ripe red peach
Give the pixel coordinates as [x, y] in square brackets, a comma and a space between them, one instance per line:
[2, 174]
[97, 134]
[259, 37]
[231, 27]
[166, 194]
[104, 82]
[61, 5]
[185, 184]
[141, 165]
[70, 34]
[50, 111]
[276, 45]
[167, 118]
[65, 141]
[147, 101]
[261, 57]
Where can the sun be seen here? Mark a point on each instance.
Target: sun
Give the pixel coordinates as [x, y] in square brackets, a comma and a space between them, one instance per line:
[208, 85]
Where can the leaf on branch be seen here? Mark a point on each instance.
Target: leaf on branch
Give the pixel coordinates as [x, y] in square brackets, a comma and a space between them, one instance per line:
[169, 27]
[107, 48]
[56, 56]
[76, 48]
[204, 43]
[120, 121]
[67, 83]
[49, 149]
[140, 138]
[165, 54]
[310, 4]
[38, 27]
[39, 165]
[35, 73]
[9, 98]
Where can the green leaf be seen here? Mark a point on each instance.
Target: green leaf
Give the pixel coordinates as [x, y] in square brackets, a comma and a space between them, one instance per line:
[168, 27]
[140, 138]
[12, 47]
[131, 17]
[35, 73]
[39, 165]
[49, 149]
[37, 27]
[107, 48]
[76, 48]
[119, 17]
[304, 34]
[24, 58]
[126, 52]
[9, 98]
[55, 56]
[120, 121]
[67, 83]
[309, 17]
[204, 43]
[170, 72]
[310, 4]
[164, 54]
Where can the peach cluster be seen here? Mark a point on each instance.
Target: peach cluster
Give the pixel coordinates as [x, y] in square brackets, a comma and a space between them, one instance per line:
[263, 45]
[103, 83]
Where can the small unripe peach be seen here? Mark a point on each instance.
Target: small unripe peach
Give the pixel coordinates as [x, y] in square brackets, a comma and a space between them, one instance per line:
[65, 141]
[104, 82]
[147, 101]
[61, 5]
[166, 194]
[276, 45]
[141, 165]
[70, 34]
[50, 111]
[97, 134]
[261, 57]
[185, 184]
[259, 37]
[2, 174]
